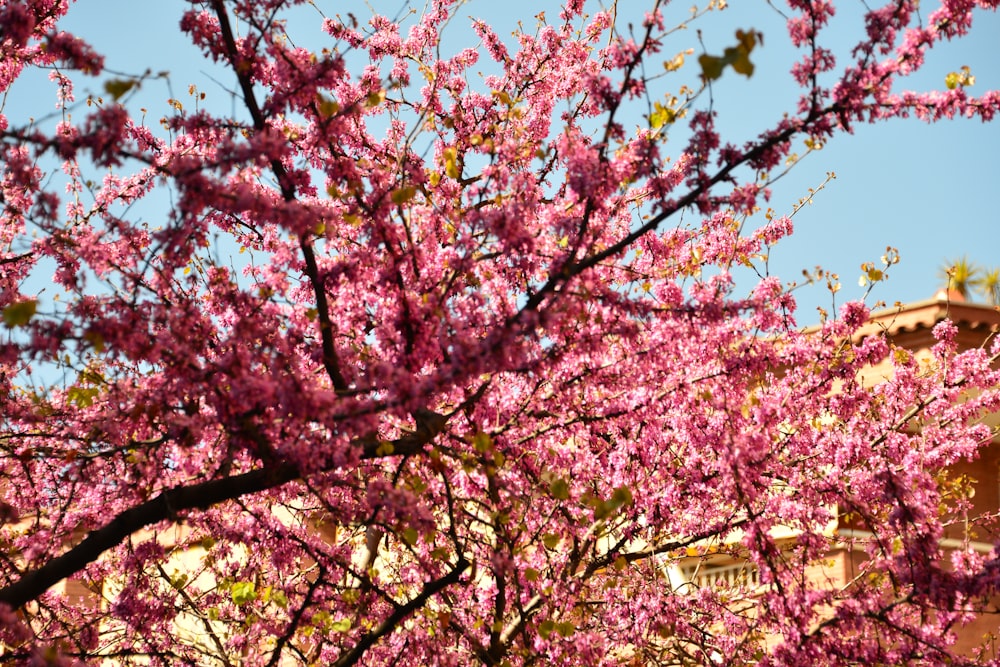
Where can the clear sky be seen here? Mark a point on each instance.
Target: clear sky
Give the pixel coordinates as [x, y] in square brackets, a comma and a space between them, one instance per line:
[928, 190]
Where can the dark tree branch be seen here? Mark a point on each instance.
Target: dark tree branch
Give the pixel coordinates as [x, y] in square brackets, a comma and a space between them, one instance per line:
[331, 361]
[401, 613]
[293, 624]
[164, 506]
[169, 503]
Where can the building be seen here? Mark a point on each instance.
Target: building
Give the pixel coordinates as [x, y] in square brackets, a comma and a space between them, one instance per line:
[909, 327]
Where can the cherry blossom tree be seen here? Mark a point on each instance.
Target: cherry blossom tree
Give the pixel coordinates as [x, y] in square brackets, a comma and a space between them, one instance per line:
[413, 365]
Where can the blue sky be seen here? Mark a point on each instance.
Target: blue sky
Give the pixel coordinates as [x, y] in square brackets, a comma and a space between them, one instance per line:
[928, 190]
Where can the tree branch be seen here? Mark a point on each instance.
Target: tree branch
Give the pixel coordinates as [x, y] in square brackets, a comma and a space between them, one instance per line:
[331, 361]
[400, 614]
[199, 496]
[164, 506]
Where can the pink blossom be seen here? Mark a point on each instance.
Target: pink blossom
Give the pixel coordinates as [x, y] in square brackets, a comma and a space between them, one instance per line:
[428, 359]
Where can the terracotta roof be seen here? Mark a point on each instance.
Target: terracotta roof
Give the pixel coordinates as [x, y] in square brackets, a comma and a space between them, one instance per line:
[910, 324]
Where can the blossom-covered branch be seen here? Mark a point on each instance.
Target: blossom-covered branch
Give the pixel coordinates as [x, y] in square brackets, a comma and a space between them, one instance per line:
[413, 352]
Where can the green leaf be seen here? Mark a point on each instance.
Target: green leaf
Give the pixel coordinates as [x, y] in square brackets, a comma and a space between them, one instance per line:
[661, 116]
[279, 598]
[482, 442]
[451, 167]
[243, 592]
[738, 56]
[95, 339]
[321, 619]
[960, 79]
[566, 629]
[342, 625]
[20, 313]
[326, 107]
[559, 489]
[178, 581]
[402, 195]
[711, 66]
[82, 397]
[620, 497]
[118, 87]
[740, 60]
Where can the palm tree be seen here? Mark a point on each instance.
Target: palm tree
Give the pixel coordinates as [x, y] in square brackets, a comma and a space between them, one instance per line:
[988, 285]
[969, 279]
[960, 275]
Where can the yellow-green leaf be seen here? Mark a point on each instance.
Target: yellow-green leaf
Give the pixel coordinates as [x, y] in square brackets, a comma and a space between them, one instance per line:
[178, 581]
[20, 313]
[404, 194]
[738, 56]
[327, 107]
[661, 116]
[118, 87]
[243, 592]
[559, 489]
[503, 97]
[95, 339]
[450, 156]
[482, 442]
[711, 66]
[963, 78]
[82, 397]
[674, 63]
[741, 62]
[279, 598]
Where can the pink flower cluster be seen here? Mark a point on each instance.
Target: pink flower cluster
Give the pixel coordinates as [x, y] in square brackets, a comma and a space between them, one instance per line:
[401, 364]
